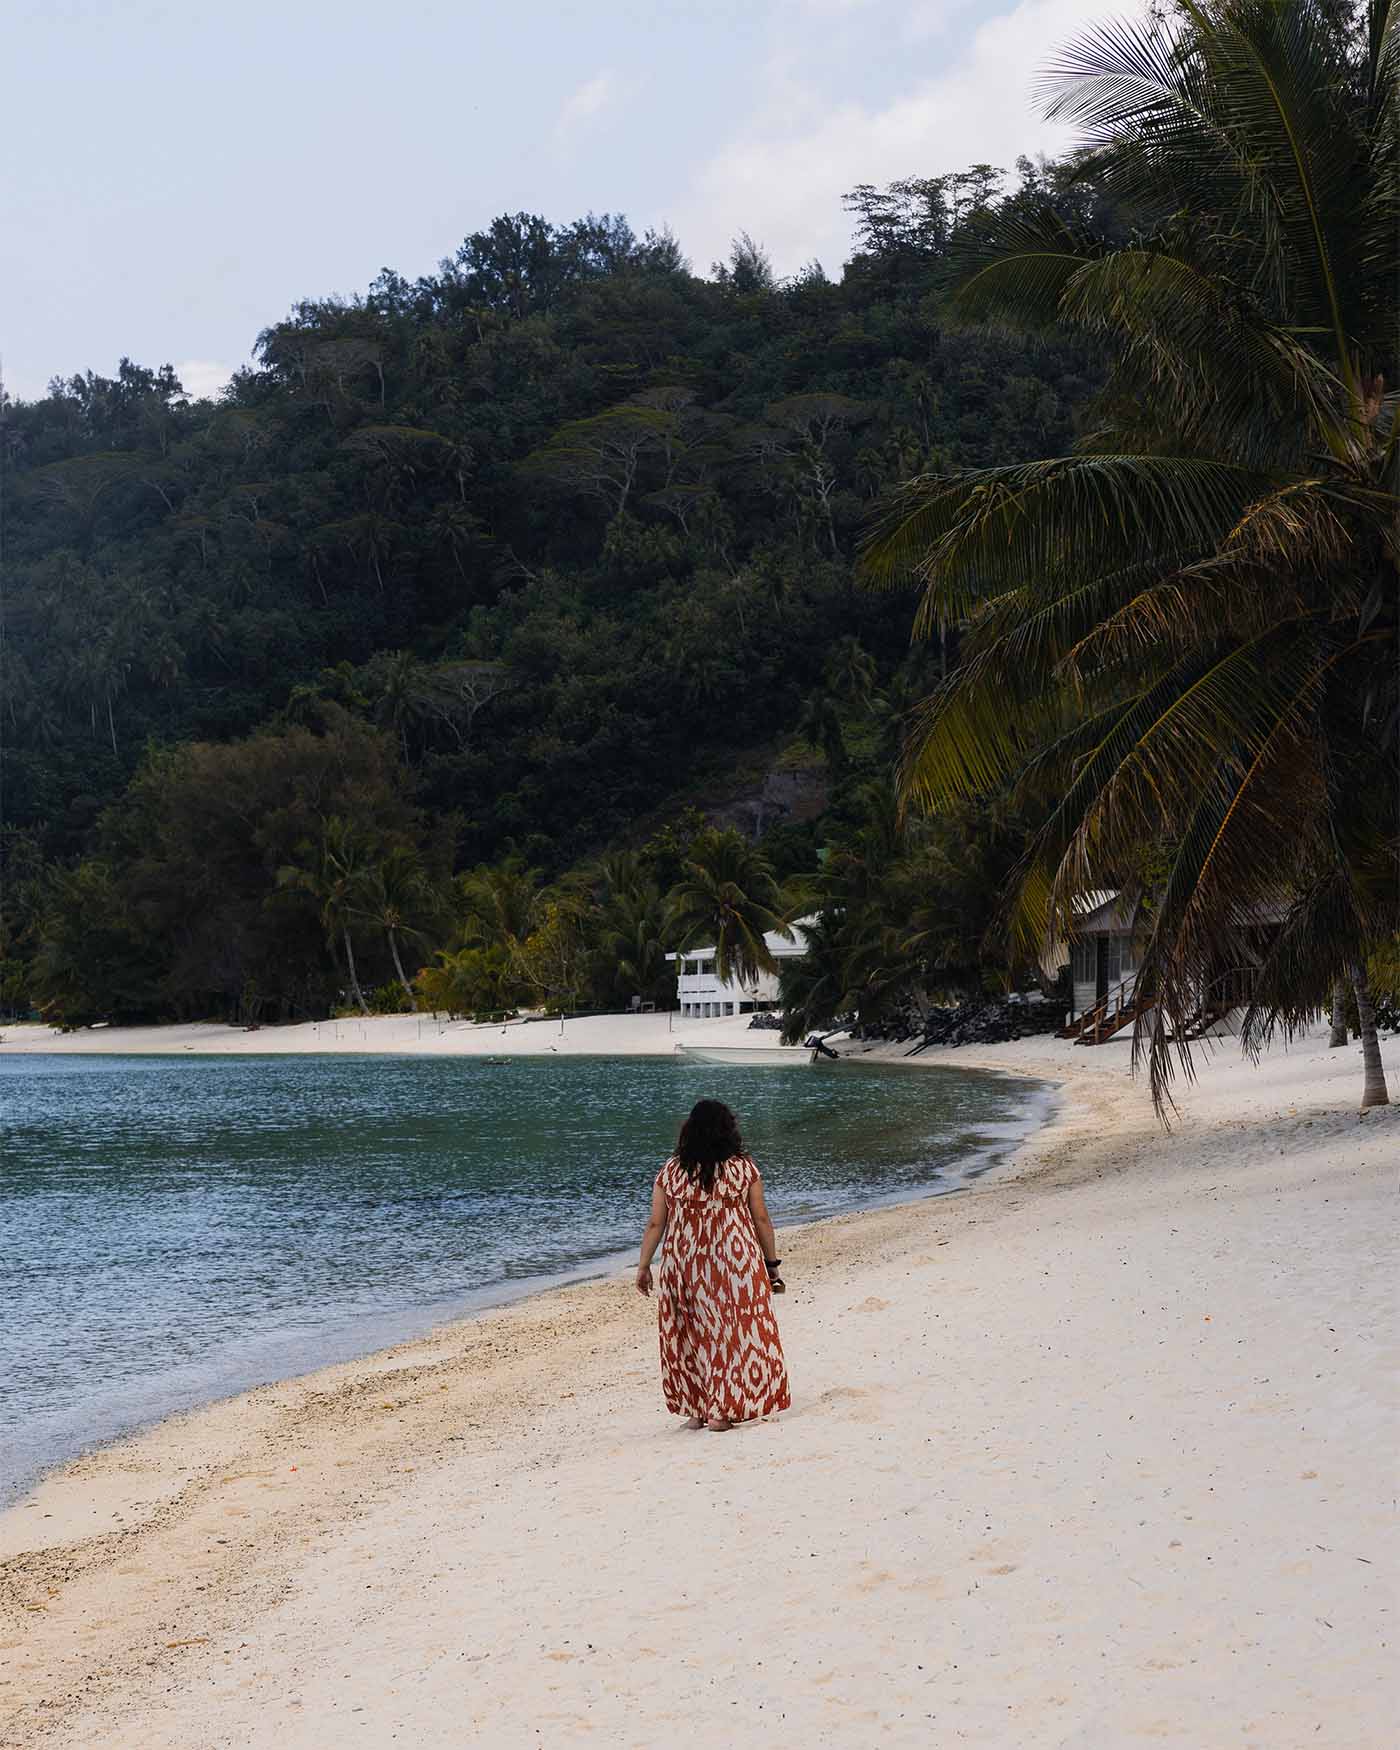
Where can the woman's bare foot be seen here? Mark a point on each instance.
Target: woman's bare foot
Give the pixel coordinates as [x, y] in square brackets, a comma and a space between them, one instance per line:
[718, 1424]
[695, 1421]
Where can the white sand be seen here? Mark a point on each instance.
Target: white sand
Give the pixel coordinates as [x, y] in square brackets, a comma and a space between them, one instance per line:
[594, 1035]
[1099, 1454]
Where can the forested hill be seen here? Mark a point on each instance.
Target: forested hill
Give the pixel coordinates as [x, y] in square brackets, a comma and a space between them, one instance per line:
[568, 525]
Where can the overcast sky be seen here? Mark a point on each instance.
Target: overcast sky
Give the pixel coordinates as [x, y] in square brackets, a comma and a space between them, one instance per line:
[178, 172]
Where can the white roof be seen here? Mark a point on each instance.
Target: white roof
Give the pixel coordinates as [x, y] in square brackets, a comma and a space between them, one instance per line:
[778, 946]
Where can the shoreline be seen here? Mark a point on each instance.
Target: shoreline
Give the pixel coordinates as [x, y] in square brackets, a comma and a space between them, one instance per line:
[371, 1334]
[619, 1035]
[377, 1546]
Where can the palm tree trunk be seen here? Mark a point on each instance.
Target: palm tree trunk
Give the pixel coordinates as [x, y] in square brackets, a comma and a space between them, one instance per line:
[1338, 1035]
[358, 994]
[1373, 1092]
[398, 967]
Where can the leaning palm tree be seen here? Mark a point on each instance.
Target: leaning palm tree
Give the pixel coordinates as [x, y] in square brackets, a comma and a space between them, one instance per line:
[728, 895]
[1184, 634]
[395, 891]
[332, 870]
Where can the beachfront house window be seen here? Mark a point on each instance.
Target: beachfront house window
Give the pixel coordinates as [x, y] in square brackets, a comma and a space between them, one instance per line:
[1114, 953]
[1084, 962]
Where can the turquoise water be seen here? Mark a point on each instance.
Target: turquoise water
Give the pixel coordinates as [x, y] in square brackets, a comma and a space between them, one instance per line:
[176, 1229]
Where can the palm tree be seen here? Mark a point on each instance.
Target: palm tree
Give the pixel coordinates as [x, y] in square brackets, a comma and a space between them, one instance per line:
[820, 727]
[636, 937]
[501, 903]
[332, 871]
[394, 889]
[812, 986]
[728, 895]
[1184, 634]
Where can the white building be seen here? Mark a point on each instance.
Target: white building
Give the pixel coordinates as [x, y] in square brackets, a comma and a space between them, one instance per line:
[1105, 952]
[701, 995]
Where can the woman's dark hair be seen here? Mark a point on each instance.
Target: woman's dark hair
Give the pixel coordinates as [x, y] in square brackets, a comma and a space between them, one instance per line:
[708, 1138]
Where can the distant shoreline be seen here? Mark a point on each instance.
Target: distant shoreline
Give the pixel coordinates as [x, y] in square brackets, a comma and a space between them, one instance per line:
[654, 1035]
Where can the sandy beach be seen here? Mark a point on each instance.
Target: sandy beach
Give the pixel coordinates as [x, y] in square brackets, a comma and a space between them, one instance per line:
[1100, 1453]
[653, 1035]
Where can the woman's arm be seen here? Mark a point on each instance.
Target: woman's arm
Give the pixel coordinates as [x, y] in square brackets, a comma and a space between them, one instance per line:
[651, 1239]
[763, 1227]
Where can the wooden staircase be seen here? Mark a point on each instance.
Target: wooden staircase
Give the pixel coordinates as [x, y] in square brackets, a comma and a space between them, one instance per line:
[1232, 990]
[1119, 1009]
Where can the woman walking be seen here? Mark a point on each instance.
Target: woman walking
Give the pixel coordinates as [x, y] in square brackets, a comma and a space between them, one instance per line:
[721, 1356]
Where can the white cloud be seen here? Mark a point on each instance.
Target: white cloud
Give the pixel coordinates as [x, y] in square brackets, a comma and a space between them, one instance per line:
[203, 377]
[784, 185]
[582, 105]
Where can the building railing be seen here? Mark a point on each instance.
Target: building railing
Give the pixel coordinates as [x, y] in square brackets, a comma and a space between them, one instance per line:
[1108, 1016]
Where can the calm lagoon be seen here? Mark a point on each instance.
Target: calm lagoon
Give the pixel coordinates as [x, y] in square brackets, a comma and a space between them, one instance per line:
[176, 1229]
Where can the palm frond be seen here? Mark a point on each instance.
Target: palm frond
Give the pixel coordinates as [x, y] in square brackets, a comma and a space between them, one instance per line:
[970, 536]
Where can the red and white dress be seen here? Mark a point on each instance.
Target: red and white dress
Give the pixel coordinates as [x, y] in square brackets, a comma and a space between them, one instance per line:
[721, 1356]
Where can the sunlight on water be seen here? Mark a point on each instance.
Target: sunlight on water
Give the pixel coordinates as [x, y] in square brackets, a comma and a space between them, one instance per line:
[172, 1230]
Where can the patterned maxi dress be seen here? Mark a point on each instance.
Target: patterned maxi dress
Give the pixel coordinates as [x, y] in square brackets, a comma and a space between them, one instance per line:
[721, 1355]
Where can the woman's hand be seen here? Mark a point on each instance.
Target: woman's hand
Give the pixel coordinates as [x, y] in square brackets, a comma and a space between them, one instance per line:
[651, 1239]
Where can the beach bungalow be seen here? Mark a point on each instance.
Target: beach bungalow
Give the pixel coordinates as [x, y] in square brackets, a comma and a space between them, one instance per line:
[1107, 952]
[701, 995]
[1103, 959]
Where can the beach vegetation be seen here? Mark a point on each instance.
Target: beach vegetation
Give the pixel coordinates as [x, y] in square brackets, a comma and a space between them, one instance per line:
[498, 633]
[728, 898]
[557, 538]
[1182, 632]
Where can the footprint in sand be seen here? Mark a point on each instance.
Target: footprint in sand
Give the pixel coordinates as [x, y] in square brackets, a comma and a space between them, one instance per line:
[855, 1397]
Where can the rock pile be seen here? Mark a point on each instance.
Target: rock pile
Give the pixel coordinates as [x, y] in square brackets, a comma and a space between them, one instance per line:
[973, 1023]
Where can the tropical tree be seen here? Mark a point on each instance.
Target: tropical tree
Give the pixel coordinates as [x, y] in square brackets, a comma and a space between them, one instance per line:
[500, 904]
[631, 934]
[394, 891]
[812, 986]
[728, 896]
[95, 961]
[1185, 632]
[470, 981]
[333, 870]
[551, 958]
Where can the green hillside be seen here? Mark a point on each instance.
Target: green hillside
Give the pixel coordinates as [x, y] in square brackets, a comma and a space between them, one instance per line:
[513, 560]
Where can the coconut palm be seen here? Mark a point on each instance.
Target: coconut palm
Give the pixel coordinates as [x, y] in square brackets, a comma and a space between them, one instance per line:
[333, 870]
[632, 942]
[501, 904]
[813, 991]
[1185, 633]
[394, 891]
[728, 896]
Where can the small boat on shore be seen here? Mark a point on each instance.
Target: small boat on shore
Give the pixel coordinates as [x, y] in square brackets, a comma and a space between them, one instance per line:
[756, 1056]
